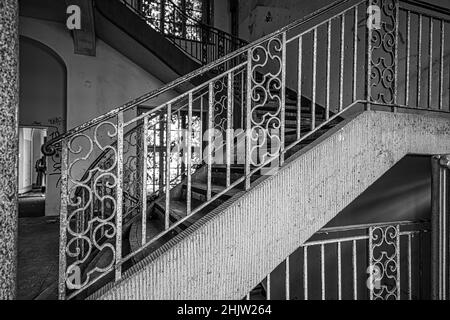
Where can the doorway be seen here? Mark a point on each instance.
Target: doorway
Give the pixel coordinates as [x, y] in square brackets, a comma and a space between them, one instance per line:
[42, 116]
[32, 172]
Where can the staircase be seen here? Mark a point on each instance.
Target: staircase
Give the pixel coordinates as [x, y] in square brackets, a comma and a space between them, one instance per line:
[199, 41]
[138, 181]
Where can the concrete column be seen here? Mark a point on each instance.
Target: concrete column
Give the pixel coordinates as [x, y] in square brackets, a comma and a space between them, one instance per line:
[9, 103]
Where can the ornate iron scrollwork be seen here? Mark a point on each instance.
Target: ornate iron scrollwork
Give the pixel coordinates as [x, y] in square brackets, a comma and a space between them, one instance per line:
[90, 230]
[220, 105]
[384, 260]
[382, 53]
[266, 100]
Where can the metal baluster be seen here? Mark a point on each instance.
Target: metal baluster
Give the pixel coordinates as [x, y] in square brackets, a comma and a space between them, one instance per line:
[355, 288]
[283, 98]
[355, 52]
[341, 72]
[211, 131]
[168, 151]
[444, 234]
[322, 270]
[177, 141]
[189, 157]
[440, 226]
[314, 80]
[248, 118]
[441, 62]
[299, 86]
[396, 24]
[368, 66]
[155, 127]
[339, 270]
[430, 64]
[287, 281]
[102, 207]
[63, 219]
[161, 152]
[91, 211]
[397, 255]
[408, 55]
[328, 75]
[118, 271]
[409, 268]
[229, 132]
[144, 180]
[305, 272]
[242, 99]
[201, 129]
[268, 287]
[419, 60]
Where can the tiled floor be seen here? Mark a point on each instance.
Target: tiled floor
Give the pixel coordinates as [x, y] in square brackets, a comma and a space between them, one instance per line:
[37, 255]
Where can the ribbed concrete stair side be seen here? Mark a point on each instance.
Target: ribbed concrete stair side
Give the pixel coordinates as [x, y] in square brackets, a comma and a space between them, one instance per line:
[231, 250]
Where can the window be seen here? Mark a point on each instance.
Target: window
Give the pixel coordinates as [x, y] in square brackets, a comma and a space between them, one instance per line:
[178, 18]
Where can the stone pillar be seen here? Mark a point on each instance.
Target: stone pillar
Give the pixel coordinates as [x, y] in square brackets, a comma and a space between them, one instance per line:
[9, 103]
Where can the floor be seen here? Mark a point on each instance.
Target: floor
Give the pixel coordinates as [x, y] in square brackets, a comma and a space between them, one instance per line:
[37, 257]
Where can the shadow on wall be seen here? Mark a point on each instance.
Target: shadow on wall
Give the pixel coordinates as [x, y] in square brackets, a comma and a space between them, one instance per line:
[403, 193]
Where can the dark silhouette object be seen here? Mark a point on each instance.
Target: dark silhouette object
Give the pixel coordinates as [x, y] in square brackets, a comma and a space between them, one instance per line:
[41, 169]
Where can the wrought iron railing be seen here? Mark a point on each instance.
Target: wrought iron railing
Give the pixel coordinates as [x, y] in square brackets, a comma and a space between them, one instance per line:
[382, 261]
[246, 118]
[201, 42]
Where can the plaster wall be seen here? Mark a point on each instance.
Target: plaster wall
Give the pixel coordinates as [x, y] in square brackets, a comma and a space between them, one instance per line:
[95, 85]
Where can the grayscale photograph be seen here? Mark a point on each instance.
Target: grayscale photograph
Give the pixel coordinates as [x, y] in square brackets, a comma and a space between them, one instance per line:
[225, 155]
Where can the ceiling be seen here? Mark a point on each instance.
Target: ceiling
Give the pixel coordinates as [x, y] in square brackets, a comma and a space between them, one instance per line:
[53, 10]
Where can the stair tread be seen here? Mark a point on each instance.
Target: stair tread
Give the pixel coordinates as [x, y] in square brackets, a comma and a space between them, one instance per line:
[178, 209]
[214, 188]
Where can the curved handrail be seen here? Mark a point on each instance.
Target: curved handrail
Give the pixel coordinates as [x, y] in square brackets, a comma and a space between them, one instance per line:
[49, 149]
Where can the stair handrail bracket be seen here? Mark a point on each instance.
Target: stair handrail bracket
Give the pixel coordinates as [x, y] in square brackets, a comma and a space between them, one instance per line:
[254, 108]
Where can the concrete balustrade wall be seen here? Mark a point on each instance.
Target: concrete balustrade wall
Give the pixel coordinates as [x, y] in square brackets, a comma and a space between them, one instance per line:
[232, 249]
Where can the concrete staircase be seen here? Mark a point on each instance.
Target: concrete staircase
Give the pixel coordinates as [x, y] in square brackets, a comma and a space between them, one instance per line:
[235, 245]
